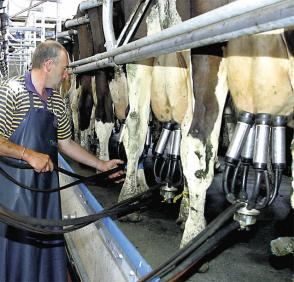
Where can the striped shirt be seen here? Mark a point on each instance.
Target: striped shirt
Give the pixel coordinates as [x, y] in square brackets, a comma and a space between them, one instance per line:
[15, 103]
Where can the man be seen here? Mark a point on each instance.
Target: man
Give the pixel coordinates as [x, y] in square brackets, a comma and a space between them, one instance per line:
[33, 127]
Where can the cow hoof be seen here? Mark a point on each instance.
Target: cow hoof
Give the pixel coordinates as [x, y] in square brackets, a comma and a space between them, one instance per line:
[203, 268]
[133, 217]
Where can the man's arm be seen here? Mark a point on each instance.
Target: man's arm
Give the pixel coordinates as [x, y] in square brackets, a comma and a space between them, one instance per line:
[79, 154]
[39, 162]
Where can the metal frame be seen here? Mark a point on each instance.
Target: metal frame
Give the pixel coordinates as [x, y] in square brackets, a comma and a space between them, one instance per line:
[230, 21]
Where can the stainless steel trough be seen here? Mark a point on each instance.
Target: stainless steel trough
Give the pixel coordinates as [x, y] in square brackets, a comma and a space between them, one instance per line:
[100, 251]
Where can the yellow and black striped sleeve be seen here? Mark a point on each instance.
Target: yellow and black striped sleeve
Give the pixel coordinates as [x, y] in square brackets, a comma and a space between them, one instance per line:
[7, 108]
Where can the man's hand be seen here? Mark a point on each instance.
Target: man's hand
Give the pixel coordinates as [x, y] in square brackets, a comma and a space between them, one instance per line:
[107, 165]
[38, 161]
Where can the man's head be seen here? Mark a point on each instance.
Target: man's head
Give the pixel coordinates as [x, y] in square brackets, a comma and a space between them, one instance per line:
[51, 58]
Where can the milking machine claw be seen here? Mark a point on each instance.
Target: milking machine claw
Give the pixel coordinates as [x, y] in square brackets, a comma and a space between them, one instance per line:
[250, 148]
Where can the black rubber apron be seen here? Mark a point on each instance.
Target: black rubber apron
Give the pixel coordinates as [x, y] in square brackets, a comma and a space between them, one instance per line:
[25, 256]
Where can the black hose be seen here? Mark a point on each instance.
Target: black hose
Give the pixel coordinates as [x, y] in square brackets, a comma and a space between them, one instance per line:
[229, 196]
[166, 162]
[209, 246]
[256, 188]
[243, 192]
[156, 177]
[277, 183]
[265, 200]
[234, 178]
[92, 179]
[180, 181]
[183, 253]
[37, 225]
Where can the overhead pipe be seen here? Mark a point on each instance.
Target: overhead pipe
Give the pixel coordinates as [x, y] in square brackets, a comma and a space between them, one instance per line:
[254, 22]
[29, 8]
[24, 28]
[128, 23]
[218, 15]
[66, 33]
[21, 45]
[77, 21]
[16, 60]
[137, 20]
[86, 5]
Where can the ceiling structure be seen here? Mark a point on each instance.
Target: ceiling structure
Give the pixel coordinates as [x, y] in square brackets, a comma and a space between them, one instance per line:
[28, 23]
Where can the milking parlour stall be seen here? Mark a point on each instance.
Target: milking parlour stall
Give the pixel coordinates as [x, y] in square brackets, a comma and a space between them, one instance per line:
[196, 97]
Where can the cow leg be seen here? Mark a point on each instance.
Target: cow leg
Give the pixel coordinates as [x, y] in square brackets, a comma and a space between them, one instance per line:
[103, 132]
[201, 150]
[139, 84]
[75, 114]
[87, 135]
[285, 245]
[184, 208]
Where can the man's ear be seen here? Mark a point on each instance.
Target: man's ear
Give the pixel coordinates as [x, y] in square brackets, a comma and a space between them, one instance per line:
[48, 65]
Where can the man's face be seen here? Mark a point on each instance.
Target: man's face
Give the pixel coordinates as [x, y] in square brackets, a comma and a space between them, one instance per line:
[58, 72]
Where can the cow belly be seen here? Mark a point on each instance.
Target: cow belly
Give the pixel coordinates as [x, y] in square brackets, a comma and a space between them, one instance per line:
[258, 74]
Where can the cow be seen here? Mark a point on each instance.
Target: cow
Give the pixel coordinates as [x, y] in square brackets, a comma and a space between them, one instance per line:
[203, 77]
[164, 78]
[95, 92]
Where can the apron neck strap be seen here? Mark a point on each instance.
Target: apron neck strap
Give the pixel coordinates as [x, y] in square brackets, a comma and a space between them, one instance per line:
[31, 95]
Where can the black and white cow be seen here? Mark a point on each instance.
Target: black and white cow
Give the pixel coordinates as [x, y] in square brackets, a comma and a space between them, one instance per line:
[190, 88]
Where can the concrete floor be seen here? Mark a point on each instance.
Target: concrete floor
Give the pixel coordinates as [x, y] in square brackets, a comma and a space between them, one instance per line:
[245, 256]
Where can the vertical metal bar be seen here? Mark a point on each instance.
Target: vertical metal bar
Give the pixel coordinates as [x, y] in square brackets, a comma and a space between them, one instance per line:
[107, 15]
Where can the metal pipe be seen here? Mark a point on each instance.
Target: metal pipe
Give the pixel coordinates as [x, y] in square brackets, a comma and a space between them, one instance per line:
[77, 21]
[86, 5]
[218, 15]
[96, 65]
[21, 45]
[66, 33]
[18, 56]
[250, 23]
[137, 21]
[107, 21]
[29, 8]
[9, 61]
[128, 23]
[23, 28]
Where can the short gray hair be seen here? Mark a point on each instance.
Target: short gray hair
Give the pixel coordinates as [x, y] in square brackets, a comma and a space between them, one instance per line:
[46, 50]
